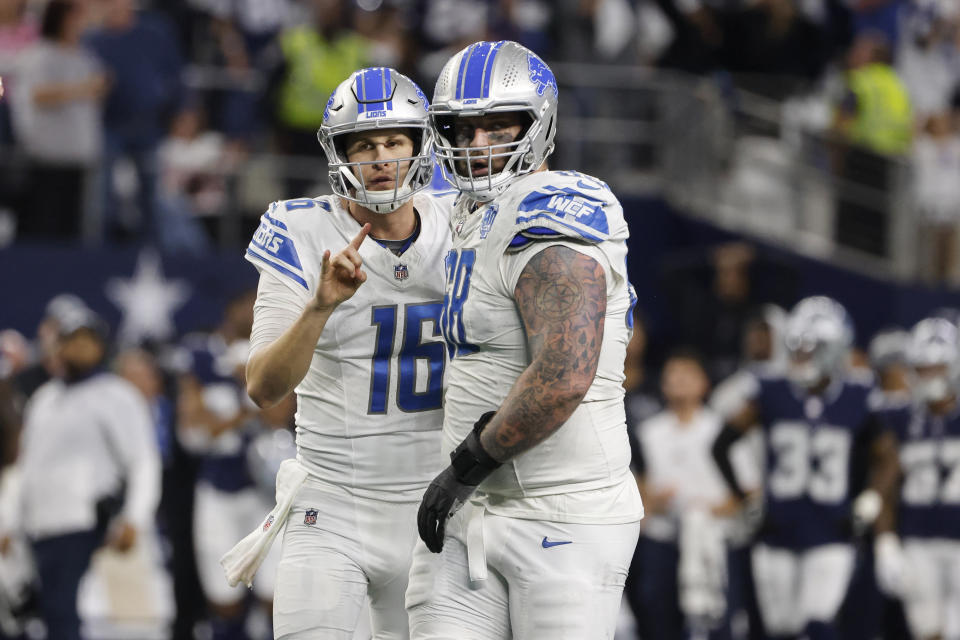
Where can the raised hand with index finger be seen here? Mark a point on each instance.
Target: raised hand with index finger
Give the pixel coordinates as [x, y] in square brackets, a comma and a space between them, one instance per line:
[341, 274]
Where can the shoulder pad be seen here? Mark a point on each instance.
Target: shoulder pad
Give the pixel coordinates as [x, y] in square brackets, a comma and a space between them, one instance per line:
[273, 245]
[565, 204]
[860, 377]
[771, 375]
[442, 202]
[889, 403]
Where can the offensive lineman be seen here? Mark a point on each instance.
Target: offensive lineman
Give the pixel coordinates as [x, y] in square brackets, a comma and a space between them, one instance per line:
[536, 317]
[818, 422]
[924, 571]
[367, 362]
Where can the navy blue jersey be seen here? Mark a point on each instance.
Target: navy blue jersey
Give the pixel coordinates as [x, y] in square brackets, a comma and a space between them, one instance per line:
[816, 451]
[929, 449]
[224, 464]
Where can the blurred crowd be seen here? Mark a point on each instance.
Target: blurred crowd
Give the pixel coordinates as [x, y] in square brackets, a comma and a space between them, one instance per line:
[122, 140]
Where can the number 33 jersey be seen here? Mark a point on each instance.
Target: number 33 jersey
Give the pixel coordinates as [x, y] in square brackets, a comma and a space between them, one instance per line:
[369, 407]
[581, 472]
[817, 448]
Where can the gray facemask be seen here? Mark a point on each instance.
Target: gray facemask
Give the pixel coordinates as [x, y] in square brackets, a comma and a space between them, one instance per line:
[933, 389]
[805, 375]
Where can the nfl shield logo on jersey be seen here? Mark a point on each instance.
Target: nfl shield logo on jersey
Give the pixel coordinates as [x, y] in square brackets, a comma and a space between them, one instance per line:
[310, 517]
[400, 272]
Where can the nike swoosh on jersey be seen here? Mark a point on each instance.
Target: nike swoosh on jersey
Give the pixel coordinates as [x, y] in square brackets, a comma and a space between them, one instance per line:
[546, 544]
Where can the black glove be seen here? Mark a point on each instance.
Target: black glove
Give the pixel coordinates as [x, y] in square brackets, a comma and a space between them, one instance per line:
[469, 466]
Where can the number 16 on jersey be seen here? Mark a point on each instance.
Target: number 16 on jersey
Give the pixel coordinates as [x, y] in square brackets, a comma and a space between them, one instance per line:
[413, 348]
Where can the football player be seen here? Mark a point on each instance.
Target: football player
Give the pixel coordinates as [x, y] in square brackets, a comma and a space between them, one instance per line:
[357, 334]
[536, 316]
[818, 423]
[925, 569]
[211, 413]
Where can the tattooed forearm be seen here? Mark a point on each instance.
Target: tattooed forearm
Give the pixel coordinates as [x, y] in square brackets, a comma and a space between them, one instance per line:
[561, 296]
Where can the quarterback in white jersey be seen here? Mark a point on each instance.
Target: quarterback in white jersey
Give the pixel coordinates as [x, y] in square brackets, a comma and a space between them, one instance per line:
[363, 349]
[537, 315]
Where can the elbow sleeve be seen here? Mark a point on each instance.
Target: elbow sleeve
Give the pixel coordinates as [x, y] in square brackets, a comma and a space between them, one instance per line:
[721, 454]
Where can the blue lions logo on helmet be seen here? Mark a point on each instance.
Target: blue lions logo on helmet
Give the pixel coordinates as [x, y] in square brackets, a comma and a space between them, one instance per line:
[420, 94]
[541, 75]
[326, 110]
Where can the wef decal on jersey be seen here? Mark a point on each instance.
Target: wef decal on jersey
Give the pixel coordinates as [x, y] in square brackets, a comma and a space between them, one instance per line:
[566, 203]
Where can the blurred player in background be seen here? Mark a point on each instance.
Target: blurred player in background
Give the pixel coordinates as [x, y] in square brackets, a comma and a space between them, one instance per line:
[90, 471]
[213, 414]
[366, 361]
[819, 428]
[921, 566]
[537, 316]
[683, 547]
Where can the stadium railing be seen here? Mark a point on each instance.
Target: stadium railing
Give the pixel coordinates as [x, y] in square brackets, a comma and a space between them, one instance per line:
[738, 160]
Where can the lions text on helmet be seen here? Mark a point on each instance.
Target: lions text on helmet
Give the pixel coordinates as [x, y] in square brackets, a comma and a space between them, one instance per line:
[376, 139]
[495, 116]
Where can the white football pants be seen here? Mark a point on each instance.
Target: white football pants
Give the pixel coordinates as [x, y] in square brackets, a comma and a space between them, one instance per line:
[797, 587]
[932, 587]
[531, 580]
[220, 519]
[356, 548]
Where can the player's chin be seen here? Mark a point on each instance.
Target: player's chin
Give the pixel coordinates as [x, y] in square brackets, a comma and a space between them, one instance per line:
[386, 185]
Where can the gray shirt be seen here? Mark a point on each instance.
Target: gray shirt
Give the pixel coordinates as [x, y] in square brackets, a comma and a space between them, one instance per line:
[69, 133]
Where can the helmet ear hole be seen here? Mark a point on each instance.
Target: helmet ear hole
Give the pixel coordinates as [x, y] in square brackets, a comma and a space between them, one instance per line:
[551, 129]
[527, 122]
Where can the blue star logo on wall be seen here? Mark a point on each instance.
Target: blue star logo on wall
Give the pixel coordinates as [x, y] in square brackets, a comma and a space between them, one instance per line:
[147, 301]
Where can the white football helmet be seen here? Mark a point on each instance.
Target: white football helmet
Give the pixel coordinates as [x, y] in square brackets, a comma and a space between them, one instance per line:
[934, 343]
[377, 98]
[494, 77]
[888, 347]
[818, 337]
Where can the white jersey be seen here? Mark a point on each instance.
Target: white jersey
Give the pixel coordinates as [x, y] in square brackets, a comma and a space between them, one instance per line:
[677, 457]
[581, 472]
[369, 407]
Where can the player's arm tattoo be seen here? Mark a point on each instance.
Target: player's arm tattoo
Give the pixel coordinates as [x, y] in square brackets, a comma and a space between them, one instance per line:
[562, 299]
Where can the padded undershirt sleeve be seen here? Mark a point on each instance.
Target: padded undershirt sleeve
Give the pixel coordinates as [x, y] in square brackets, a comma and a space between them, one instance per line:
[277, 307]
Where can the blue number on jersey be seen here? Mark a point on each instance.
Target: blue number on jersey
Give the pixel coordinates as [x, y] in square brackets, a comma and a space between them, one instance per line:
[412, 349]
[459, 265]
[300, 203]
